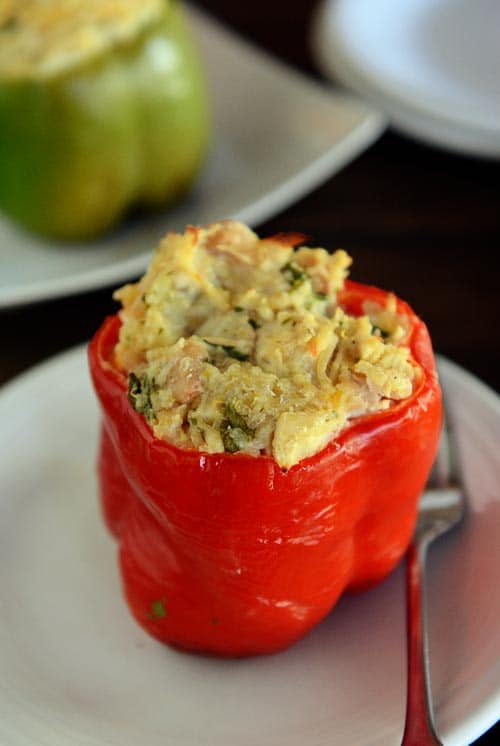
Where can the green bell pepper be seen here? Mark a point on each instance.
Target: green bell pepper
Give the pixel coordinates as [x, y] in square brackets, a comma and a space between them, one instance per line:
[125, 126]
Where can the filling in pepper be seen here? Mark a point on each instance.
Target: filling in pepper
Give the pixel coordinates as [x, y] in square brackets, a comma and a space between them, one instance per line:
[40, 38]
[235, 343]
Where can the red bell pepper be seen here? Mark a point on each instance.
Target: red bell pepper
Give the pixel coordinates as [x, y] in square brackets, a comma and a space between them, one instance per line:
[229, 553]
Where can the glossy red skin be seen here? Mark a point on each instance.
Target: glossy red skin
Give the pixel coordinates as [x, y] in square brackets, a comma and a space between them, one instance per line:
[244, 556]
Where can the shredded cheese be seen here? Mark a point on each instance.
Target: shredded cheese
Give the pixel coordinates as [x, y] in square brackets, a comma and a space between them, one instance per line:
[43, 38]
[239, 344]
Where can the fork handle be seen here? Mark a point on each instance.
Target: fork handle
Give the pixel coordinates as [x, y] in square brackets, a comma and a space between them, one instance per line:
[419, 725]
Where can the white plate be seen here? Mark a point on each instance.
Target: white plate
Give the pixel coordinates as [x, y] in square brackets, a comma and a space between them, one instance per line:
[430, 65]
[75, 668]
[277, 136]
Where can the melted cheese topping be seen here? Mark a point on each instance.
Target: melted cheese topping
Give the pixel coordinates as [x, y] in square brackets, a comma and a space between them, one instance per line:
[42, 38]
[235, 343]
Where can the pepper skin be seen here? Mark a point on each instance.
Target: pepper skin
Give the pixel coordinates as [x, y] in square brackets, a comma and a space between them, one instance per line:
[79, 148]
[232, 555]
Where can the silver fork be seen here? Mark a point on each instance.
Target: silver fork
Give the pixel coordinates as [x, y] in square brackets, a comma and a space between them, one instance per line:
[442, 507]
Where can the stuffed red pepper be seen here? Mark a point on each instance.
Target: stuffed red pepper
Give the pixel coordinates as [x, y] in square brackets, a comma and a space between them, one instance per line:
[267, 428]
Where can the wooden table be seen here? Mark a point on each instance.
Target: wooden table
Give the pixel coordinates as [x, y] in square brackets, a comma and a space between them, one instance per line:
[417, 220]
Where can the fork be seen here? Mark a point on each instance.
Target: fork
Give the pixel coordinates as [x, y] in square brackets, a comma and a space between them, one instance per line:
[442, 506]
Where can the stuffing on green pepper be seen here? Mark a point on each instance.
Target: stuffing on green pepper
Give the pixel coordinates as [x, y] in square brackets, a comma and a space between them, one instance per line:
[103, 106]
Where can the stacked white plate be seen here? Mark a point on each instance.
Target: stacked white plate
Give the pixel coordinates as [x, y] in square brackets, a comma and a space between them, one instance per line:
[432, 66]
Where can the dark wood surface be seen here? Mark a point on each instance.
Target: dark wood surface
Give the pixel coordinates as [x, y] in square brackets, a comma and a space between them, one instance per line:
[417, 220]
